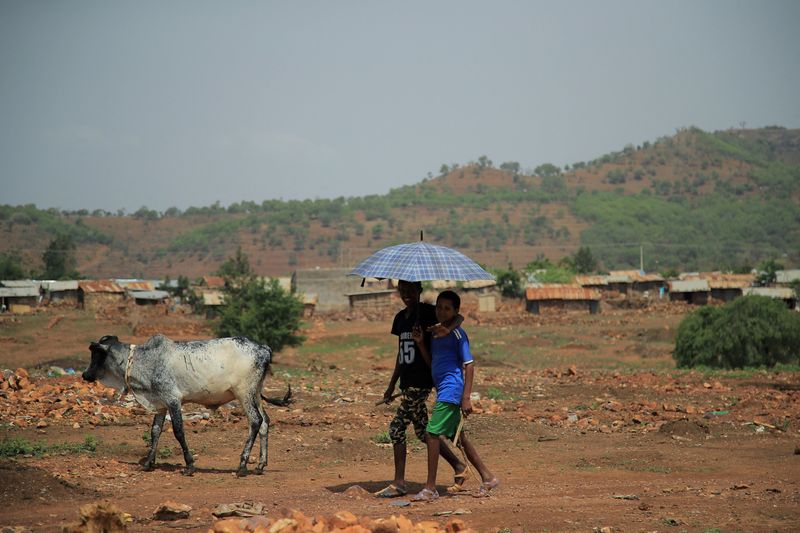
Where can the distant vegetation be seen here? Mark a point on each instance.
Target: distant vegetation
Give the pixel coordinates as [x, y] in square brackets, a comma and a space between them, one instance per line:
[695, 200]
[751, 331]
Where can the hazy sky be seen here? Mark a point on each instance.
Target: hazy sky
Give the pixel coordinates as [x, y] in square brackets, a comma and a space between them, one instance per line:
[109, 104]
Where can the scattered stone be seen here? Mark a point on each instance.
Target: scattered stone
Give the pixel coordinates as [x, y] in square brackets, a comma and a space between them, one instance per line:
[625, 497]
[170, 510]
[357, 492]
[247, 508]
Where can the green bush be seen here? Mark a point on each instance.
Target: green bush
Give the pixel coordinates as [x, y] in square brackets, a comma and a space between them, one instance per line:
[751, 331]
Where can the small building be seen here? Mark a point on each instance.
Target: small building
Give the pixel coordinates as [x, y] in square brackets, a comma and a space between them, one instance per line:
[309, 305]
[640, 281]
[555, 297]
[331, 286]
[19, 299]
[153, 297]
[487, 303]
[619, 283]
[61, 292]
[373, 300]
[727, 287]
[212, 300]
[779, 293]
[599, 283]
[787, 277]
[93, 295]
[694, 291]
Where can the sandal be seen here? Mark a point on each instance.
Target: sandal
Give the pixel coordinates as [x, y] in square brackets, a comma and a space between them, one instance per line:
[458, 481]
[392, 491]
[487, 487]
[425, 495]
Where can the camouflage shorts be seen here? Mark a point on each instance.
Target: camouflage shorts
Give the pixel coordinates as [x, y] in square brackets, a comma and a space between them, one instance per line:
[412, 410]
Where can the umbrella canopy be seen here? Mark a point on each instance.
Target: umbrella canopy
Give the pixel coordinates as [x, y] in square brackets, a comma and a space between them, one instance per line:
[420, 261]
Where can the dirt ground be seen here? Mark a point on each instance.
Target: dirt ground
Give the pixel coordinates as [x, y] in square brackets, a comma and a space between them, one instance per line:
[583, 418]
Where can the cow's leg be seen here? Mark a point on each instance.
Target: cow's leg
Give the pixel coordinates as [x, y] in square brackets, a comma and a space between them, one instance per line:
[177, 429]
[263, 432]
[155, 433]
[252, 408]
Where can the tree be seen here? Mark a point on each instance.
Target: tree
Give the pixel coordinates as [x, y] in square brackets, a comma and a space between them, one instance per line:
[59, 258]
[583, 261]
[767, 272]
[484, 162]
[510, 166]
[547, 170]
[11, 266]
[259, 310]
[509, 282]
[748, 332]
[235, 268]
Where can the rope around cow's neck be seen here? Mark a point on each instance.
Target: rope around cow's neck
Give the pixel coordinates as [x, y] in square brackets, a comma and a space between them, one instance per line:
[128, 367]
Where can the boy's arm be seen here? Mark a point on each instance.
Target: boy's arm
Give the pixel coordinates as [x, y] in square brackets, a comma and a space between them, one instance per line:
[419, 338]
[438, 330]
[469, 374]
[387, 395]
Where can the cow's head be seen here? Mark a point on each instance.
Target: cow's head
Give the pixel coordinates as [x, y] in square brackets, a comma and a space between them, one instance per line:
[97, 365]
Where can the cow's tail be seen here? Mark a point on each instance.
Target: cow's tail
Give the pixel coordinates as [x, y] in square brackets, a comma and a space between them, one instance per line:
[282, 402]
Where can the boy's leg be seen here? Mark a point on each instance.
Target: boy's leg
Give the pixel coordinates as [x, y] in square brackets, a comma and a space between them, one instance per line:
[487, 476]
[459, 468]
[397, 434]
[433, 460]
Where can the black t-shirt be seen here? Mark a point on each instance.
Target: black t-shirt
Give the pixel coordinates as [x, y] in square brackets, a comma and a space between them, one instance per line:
[413, 370]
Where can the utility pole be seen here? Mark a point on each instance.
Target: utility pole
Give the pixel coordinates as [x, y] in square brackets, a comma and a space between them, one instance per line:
[641, 259]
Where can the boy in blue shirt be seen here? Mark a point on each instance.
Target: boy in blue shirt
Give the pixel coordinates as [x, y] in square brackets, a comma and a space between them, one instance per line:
[453, 372]
[414, 375]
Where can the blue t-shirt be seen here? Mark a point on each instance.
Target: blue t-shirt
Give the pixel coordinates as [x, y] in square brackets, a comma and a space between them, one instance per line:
[449, 355]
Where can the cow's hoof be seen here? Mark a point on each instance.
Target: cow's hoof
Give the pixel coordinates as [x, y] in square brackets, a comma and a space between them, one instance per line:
[241, 472]
[188, 471]
[258, 470]
[147, 467]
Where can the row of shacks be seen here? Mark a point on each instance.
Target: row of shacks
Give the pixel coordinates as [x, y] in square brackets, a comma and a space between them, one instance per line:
[21, 296]
[695, 288]
[330, 289]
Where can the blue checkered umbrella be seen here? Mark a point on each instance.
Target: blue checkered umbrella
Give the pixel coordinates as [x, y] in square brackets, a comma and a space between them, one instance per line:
[420, 261]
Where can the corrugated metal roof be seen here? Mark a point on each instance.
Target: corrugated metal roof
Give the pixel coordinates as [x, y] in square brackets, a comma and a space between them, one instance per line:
[58, 286]
[213, 281]
[560, 292]
[689, 285]
[135, 284]
[787, 276]
[470, 284]
[20, 283]
[781, 293]
[618, 278]
[591, 280]
[728, 283]
[18, 292]
[212, 298]
[636, 275]
[149, 295]
[103, 285]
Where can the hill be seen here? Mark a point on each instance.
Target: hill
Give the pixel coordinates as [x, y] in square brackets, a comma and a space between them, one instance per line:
[694, 200]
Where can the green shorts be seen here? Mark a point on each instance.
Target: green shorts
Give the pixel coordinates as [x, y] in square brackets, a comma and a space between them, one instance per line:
[444, 419]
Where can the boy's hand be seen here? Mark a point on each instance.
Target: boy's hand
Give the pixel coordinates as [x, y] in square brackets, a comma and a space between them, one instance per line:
[439, 330]
[387, 396]
[466, 406]
[416, 334]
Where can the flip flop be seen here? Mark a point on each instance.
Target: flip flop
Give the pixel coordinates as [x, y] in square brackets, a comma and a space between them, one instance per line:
[458, 482]
[487, 487]
[392, 491]
[425, 495]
